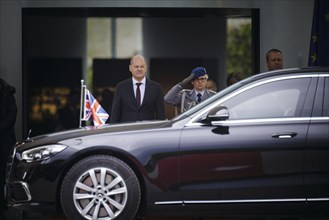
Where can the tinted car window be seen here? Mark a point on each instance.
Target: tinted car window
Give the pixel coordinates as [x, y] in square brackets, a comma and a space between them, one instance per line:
[282, 98]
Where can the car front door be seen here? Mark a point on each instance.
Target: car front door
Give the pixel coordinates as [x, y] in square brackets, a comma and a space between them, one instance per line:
[256, 155]
[317, 151]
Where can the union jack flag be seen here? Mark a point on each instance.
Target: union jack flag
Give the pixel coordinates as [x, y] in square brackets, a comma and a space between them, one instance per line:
[93, 110]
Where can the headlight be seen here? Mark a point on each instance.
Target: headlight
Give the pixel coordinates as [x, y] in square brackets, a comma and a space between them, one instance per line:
[42, 153]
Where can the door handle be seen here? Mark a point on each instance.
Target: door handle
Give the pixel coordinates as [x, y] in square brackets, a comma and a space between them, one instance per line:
[284, 135]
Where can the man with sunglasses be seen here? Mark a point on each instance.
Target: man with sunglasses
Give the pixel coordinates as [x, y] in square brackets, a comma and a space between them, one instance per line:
[185, 98]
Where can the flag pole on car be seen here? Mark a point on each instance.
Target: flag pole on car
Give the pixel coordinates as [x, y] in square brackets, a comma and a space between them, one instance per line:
[82, 103]
[90, 109]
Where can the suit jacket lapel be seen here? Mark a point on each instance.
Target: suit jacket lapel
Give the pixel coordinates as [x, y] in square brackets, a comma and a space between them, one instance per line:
[146, 92]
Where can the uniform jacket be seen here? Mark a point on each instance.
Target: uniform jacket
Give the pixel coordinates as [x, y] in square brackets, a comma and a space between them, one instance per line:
[174, 97]
[125, 108]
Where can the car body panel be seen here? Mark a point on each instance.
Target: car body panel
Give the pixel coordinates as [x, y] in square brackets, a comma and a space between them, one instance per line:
[236, 169]
[317, 151]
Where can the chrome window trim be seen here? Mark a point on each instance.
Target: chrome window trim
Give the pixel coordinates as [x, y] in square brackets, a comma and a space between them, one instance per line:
[324, 119]
[241, 201]
[262, 121]
[323, 75]
[317, 199]
[292, 120]
[193, 119]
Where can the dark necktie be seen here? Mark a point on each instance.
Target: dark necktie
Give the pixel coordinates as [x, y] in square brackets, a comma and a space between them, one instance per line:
[138, 94]
[199, 97]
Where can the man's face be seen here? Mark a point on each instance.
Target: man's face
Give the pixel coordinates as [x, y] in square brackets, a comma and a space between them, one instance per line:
[210, 85]
[274, 61]
[138, 68]
[200, 83]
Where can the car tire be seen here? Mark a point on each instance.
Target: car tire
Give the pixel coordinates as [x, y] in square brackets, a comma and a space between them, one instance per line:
[100, 187]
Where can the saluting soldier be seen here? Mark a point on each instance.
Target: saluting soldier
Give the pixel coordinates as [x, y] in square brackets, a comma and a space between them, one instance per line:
[185, 98]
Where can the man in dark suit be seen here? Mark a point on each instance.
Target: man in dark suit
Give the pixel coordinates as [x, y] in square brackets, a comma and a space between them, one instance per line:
[137, 98]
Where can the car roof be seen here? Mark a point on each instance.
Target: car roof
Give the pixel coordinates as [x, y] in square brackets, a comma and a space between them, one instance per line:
[284, 72]
[290, 71]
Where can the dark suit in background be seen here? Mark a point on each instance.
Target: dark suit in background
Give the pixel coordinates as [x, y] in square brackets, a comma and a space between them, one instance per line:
[8, 112]
[126, 109]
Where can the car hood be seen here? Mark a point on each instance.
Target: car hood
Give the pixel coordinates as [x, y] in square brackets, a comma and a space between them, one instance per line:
[91, 130]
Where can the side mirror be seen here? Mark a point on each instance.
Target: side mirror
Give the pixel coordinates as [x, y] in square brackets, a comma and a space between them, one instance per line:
[219, 113]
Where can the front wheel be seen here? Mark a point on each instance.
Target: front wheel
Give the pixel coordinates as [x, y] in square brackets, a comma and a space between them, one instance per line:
[100, 187]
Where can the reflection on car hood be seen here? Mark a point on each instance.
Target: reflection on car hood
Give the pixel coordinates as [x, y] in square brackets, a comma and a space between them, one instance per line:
[93, 130]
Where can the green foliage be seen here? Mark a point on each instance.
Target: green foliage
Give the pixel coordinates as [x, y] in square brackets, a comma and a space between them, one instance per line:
[89, 79]
[239, 49]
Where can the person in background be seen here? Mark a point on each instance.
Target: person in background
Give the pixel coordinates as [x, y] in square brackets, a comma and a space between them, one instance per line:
[211, 85]
[106, 99]
[8, 112]
[137, 98]
[69, 115]
[199, 93]
[274, 59]
[233, 78]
